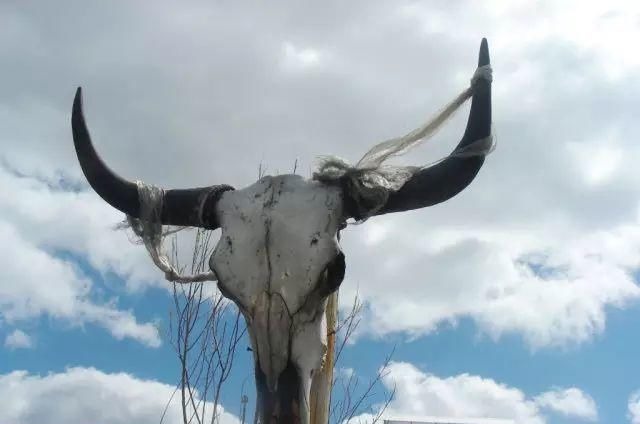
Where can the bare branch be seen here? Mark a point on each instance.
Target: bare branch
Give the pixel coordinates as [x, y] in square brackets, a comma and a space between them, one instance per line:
[347, 399]
[205, 330]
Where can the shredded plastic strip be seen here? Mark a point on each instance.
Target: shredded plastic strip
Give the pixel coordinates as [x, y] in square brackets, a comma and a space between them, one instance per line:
[373, 181]
[370, 178]
[150, 231]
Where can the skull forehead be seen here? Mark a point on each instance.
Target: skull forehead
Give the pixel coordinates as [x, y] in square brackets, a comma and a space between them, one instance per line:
[278, 235]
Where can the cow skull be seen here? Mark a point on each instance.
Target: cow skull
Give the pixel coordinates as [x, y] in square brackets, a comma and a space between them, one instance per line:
[278, 257]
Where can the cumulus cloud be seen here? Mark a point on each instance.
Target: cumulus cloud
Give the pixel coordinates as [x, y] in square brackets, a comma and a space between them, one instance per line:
[546, 238]
[552, 295]
[46, 218]
[18, 339]
[36, 282]
[82, 395]
[464, 395]
[299, 58]
[345, 372]
[541, 244]
[570, 402]
[54, 215]
[420, 394]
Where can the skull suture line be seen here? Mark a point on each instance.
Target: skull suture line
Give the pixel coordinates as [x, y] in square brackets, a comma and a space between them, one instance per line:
[278, 257]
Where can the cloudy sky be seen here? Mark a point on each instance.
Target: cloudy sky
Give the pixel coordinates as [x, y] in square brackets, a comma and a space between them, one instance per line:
[519, 298]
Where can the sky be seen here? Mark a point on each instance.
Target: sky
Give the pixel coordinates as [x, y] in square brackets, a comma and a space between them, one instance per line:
[517, 299]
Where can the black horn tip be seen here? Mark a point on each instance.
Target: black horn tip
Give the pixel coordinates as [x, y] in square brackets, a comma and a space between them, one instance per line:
[77, 100]
[178, 205]
[483, 56]
[440, 182]
[118, 192]
[76, 111]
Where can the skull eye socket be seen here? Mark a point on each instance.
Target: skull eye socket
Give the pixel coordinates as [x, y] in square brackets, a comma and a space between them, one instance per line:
[334, 273]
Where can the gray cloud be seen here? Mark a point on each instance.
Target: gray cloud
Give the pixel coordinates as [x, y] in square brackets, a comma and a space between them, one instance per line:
[200, 92]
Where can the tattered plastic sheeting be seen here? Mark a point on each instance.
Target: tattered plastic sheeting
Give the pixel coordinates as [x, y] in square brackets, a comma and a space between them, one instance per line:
[373, 181]
[151, 232]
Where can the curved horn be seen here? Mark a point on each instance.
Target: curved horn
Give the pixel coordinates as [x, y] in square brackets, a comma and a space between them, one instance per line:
[449, 177]
[191, 207]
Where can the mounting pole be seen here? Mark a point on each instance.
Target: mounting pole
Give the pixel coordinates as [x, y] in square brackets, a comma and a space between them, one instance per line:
[323, 379]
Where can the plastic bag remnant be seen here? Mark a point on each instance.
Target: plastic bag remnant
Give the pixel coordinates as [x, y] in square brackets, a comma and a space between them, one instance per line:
[150, 231]
[371, 181]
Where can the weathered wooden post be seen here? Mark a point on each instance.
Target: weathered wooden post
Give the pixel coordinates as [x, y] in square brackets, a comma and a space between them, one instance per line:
[323, 379]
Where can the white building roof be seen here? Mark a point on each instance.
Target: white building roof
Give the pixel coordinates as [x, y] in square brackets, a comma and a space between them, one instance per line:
[445, 420]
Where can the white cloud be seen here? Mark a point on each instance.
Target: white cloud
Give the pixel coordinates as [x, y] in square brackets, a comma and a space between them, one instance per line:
[35, 283]
[597, 161]
[82, 395]
[419, 394]
[18, 339]
[346, 372]
[633, 407]
[52, 217]
[553, 295]
[547, 237]
[42, 217]
[52, 214]
[571, 402]
[464, 395]
[561, 189]
[299, 58]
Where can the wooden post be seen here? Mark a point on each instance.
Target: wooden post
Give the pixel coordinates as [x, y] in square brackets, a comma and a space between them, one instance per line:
[322, 380]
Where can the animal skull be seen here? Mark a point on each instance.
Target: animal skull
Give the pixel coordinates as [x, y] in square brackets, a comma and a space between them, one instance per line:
[278, 257]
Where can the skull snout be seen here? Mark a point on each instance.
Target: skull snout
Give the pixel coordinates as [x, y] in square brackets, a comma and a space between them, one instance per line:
[271, 324]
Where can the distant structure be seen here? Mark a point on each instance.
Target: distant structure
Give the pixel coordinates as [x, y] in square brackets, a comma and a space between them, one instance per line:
[447, 420]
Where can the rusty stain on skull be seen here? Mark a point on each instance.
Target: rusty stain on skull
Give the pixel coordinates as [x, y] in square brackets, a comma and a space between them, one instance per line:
[278, 256]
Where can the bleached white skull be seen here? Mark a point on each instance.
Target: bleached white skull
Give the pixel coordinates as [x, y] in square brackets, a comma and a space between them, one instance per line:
[278, 257]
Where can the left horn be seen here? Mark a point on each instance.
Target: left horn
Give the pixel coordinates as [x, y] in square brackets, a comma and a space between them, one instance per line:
[449, 177]
[191, 207]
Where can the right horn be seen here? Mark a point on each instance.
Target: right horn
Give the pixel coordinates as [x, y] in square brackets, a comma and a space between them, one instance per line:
[191, 207]
[449, 177]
